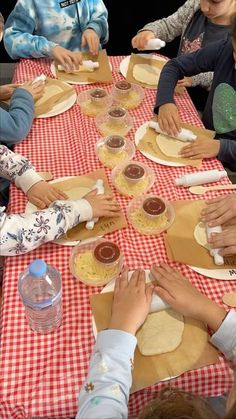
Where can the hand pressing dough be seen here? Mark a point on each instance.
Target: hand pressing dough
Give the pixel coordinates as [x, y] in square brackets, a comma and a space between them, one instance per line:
[145, 73]
[169, 146]
[162, 332]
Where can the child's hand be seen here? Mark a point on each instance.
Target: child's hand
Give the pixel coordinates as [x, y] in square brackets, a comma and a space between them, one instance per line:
[185, 82]
[225, 241]
[131, 302]
[42, 194]
[183, 297]
[169, 120]
[219, 210]
[102, 205]
[140, 40]
[36, 89]
[68, 59]
[7, 90]
[90, 38]
[201, 149]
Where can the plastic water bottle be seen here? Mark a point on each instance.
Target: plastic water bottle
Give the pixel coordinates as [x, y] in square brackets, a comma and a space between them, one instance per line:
[40, 290]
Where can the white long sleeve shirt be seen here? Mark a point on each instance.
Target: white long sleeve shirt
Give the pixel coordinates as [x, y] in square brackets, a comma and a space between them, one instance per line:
[20, 233]
[105, 393]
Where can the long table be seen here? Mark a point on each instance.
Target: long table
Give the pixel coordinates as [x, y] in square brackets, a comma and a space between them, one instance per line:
[42, 375]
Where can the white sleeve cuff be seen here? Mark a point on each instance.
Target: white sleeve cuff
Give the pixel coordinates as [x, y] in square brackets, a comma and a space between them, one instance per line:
[225, 337]
[113, 339]
[27, 179]
[84, 209]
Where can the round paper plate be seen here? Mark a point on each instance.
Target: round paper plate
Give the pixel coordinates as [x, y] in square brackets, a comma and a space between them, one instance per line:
[139, 135]
[220, 274]
[61, 107]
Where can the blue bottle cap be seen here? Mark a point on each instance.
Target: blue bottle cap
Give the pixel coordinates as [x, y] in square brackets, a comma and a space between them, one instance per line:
[37, 268]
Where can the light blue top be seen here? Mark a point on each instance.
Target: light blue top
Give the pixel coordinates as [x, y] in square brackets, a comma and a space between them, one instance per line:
[34, 27]
[105, 393]
[37, 268]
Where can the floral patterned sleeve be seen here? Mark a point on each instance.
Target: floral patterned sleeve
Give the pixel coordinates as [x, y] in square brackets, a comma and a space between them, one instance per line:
[20, 233]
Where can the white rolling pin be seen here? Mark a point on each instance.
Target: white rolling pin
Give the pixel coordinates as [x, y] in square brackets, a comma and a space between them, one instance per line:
[42, 77]
[157, 304]
[99, 185]
[155, 43]
[199, 178]
[184, 135]
[89, 64]
[218, 259]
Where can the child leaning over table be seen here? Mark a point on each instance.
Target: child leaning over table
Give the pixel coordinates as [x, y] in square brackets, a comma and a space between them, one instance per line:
[105, 393]
[56, 29]
[220, 111]
[199, 22]
[20, 233]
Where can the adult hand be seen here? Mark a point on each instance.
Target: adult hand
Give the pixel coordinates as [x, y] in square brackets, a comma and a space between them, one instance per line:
[68, 59]
[35, 89]
[201, 149]
[42, 194]
[219, 210]
[102, 205]
[169, 119]
[225, 241]
[91, 39]
[183, 297]
[131, 301]
[185, 82]
[7, 90]
[140, 40]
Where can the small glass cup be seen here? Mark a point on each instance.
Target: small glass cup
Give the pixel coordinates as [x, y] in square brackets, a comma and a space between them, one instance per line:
[128, 95]
[94, 101]
[114, 121]
[114, 150]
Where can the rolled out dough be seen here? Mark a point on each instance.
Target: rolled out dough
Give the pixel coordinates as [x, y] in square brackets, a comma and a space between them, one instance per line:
[162, 332]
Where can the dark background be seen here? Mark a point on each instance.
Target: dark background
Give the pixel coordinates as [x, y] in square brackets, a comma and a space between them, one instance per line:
[126, 17]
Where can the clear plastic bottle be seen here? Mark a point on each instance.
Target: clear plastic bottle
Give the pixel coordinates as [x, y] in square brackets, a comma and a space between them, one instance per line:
[40, 290]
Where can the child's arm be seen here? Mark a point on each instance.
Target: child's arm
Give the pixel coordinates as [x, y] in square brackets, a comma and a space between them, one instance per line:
[105, 393]
[19, 40]
[183, 297]
[172, 26]
[98, 21]
[16, 123]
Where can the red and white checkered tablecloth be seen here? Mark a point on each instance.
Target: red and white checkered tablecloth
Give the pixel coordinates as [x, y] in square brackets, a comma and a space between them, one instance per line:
[42, 375]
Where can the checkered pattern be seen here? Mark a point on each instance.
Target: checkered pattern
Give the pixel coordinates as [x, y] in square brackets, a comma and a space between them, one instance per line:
[42, 375]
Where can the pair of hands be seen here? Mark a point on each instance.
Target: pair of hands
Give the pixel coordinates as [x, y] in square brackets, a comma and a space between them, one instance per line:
[36, 89]
[42, 194]
[169, 122]
[221, 210]
[132, 299]
[71, 60]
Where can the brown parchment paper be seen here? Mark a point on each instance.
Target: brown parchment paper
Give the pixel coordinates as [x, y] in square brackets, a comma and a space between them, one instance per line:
[102, 74]
[180, 243]
[194, 351]
[149, 145]
[105, 224]
[46, 105]
[138, 59]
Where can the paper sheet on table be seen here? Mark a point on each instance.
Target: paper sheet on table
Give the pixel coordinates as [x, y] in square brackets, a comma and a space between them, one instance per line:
[138, 59]
[54, 92]
[194, 351]
[149, 145]
[102, 74]
[105, 224]
[181, 245]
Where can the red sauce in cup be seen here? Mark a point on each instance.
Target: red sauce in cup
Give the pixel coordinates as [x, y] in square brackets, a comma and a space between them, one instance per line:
[154, 206]
[115, 142]
[107, 252]
[134, 171]
[98, 94]
[123, 86]
[117, 113]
